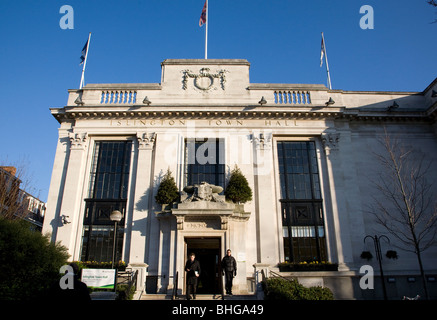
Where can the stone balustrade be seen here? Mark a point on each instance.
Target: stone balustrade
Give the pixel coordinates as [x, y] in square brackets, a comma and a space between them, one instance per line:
[118, 97]
[292, 97]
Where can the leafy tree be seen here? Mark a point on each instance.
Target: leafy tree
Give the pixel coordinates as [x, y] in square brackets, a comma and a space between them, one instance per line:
[29, 262]
[238, 189]
[168, 191]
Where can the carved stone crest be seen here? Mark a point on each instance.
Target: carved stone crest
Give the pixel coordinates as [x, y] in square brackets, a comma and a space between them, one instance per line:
[203, 192]
[204, 80]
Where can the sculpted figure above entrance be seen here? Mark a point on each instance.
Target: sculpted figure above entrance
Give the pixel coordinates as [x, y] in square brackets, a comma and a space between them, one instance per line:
[203, 192]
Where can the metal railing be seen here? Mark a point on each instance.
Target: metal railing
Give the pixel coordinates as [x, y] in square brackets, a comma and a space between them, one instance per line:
[127, 277]
[223, 285]
[175, 286]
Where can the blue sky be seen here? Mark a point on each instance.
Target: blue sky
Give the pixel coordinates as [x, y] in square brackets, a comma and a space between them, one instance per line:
[39, 61]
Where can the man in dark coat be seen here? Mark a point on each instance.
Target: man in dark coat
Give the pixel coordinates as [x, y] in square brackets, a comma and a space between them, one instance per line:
[229, 269]
[192, 267]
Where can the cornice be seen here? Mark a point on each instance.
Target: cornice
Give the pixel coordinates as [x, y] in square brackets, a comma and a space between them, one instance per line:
[240, 112]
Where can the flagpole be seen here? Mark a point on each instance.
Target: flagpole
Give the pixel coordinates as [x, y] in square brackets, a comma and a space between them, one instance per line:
[82, 79]
[206, 31]
[326, 60]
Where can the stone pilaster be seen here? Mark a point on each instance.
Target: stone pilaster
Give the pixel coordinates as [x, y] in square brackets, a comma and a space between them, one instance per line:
[73, 190]
[265, 212]
[143, 194]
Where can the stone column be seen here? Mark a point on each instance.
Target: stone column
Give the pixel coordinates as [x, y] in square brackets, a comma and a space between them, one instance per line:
[72, 195]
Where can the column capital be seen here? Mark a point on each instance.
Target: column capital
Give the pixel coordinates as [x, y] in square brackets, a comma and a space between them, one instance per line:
[262, 141]
[330, 141]
[146, 140]
[78, 140]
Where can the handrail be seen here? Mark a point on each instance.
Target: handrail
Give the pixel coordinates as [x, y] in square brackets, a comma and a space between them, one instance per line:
[133, 281]
[175, 286]
[277, 275]
[223, 285]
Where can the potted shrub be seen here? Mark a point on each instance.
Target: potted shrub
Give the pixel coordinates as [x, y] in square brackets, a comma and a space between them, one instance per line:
[238, 190]
[366, 255]
[167, 191]
[308, 266]
[391, 254]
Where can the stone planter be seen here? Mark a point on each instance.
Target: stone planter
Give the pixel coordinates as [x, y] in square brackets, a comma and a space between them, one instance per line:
[290, 267]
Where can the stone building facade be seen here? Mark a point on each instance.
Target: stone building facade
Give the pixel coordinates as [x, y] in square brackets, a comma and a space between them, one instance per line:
[307, 152]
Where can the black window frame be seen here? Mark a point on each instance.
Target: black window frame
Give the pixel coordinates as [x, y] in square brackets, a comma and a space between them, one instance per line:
[111, 169]
[213, 171]
[301, 205]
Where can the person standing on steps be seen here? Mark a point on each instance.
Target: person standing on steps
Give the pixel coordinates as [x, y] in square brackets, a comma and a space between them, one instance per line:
[192, 267]
[229, 270]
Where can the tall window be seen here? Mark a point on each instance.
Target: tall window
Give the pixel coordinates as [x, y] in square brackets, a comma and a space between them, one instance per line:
[107, 192]
[204, 161]
[301, 202]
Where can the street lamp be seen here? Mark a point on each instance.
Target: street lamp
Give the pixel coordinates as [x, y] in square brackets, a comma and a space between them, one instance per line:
[116, 217]
[376, 242]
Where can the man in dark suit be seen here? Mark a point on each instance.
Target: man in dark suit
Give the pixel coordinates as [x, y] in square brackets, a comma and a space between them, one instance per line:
[229, 269]
[192, 267]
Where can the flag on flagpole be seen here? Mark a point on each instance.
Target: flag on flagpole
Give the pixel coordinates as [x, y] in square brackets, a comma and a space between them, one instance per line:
[83, 59]
[322, 52]
[202, 19]
[84, 52]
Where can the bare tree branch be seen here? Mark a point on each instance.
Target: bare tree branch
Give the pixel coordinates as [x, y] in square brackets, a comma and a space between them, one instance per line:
[405, 204]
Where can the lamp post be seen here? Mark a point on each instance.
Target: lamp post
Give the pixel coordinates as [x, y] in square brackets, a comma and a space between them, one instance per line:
[376, 242]
[116, 217]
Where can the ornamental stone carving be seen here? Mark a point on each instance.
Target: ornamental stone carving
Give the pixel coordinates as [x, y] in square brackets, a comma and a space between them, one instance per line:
[77, 140]
[330, 141]
[204, 192]
[204, 80]
[146, 140]
[202, 208]
[263, 141]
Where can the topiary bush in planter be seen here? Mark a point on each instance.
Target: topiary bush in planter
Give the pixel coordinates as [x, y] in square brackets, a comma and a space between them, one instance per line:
[283, 289]
[167, 191]
[238, 189]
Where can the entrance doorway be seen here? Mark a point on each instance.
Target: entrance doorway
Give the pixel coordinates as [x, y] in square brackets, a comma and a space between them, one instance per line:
[207, 251]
